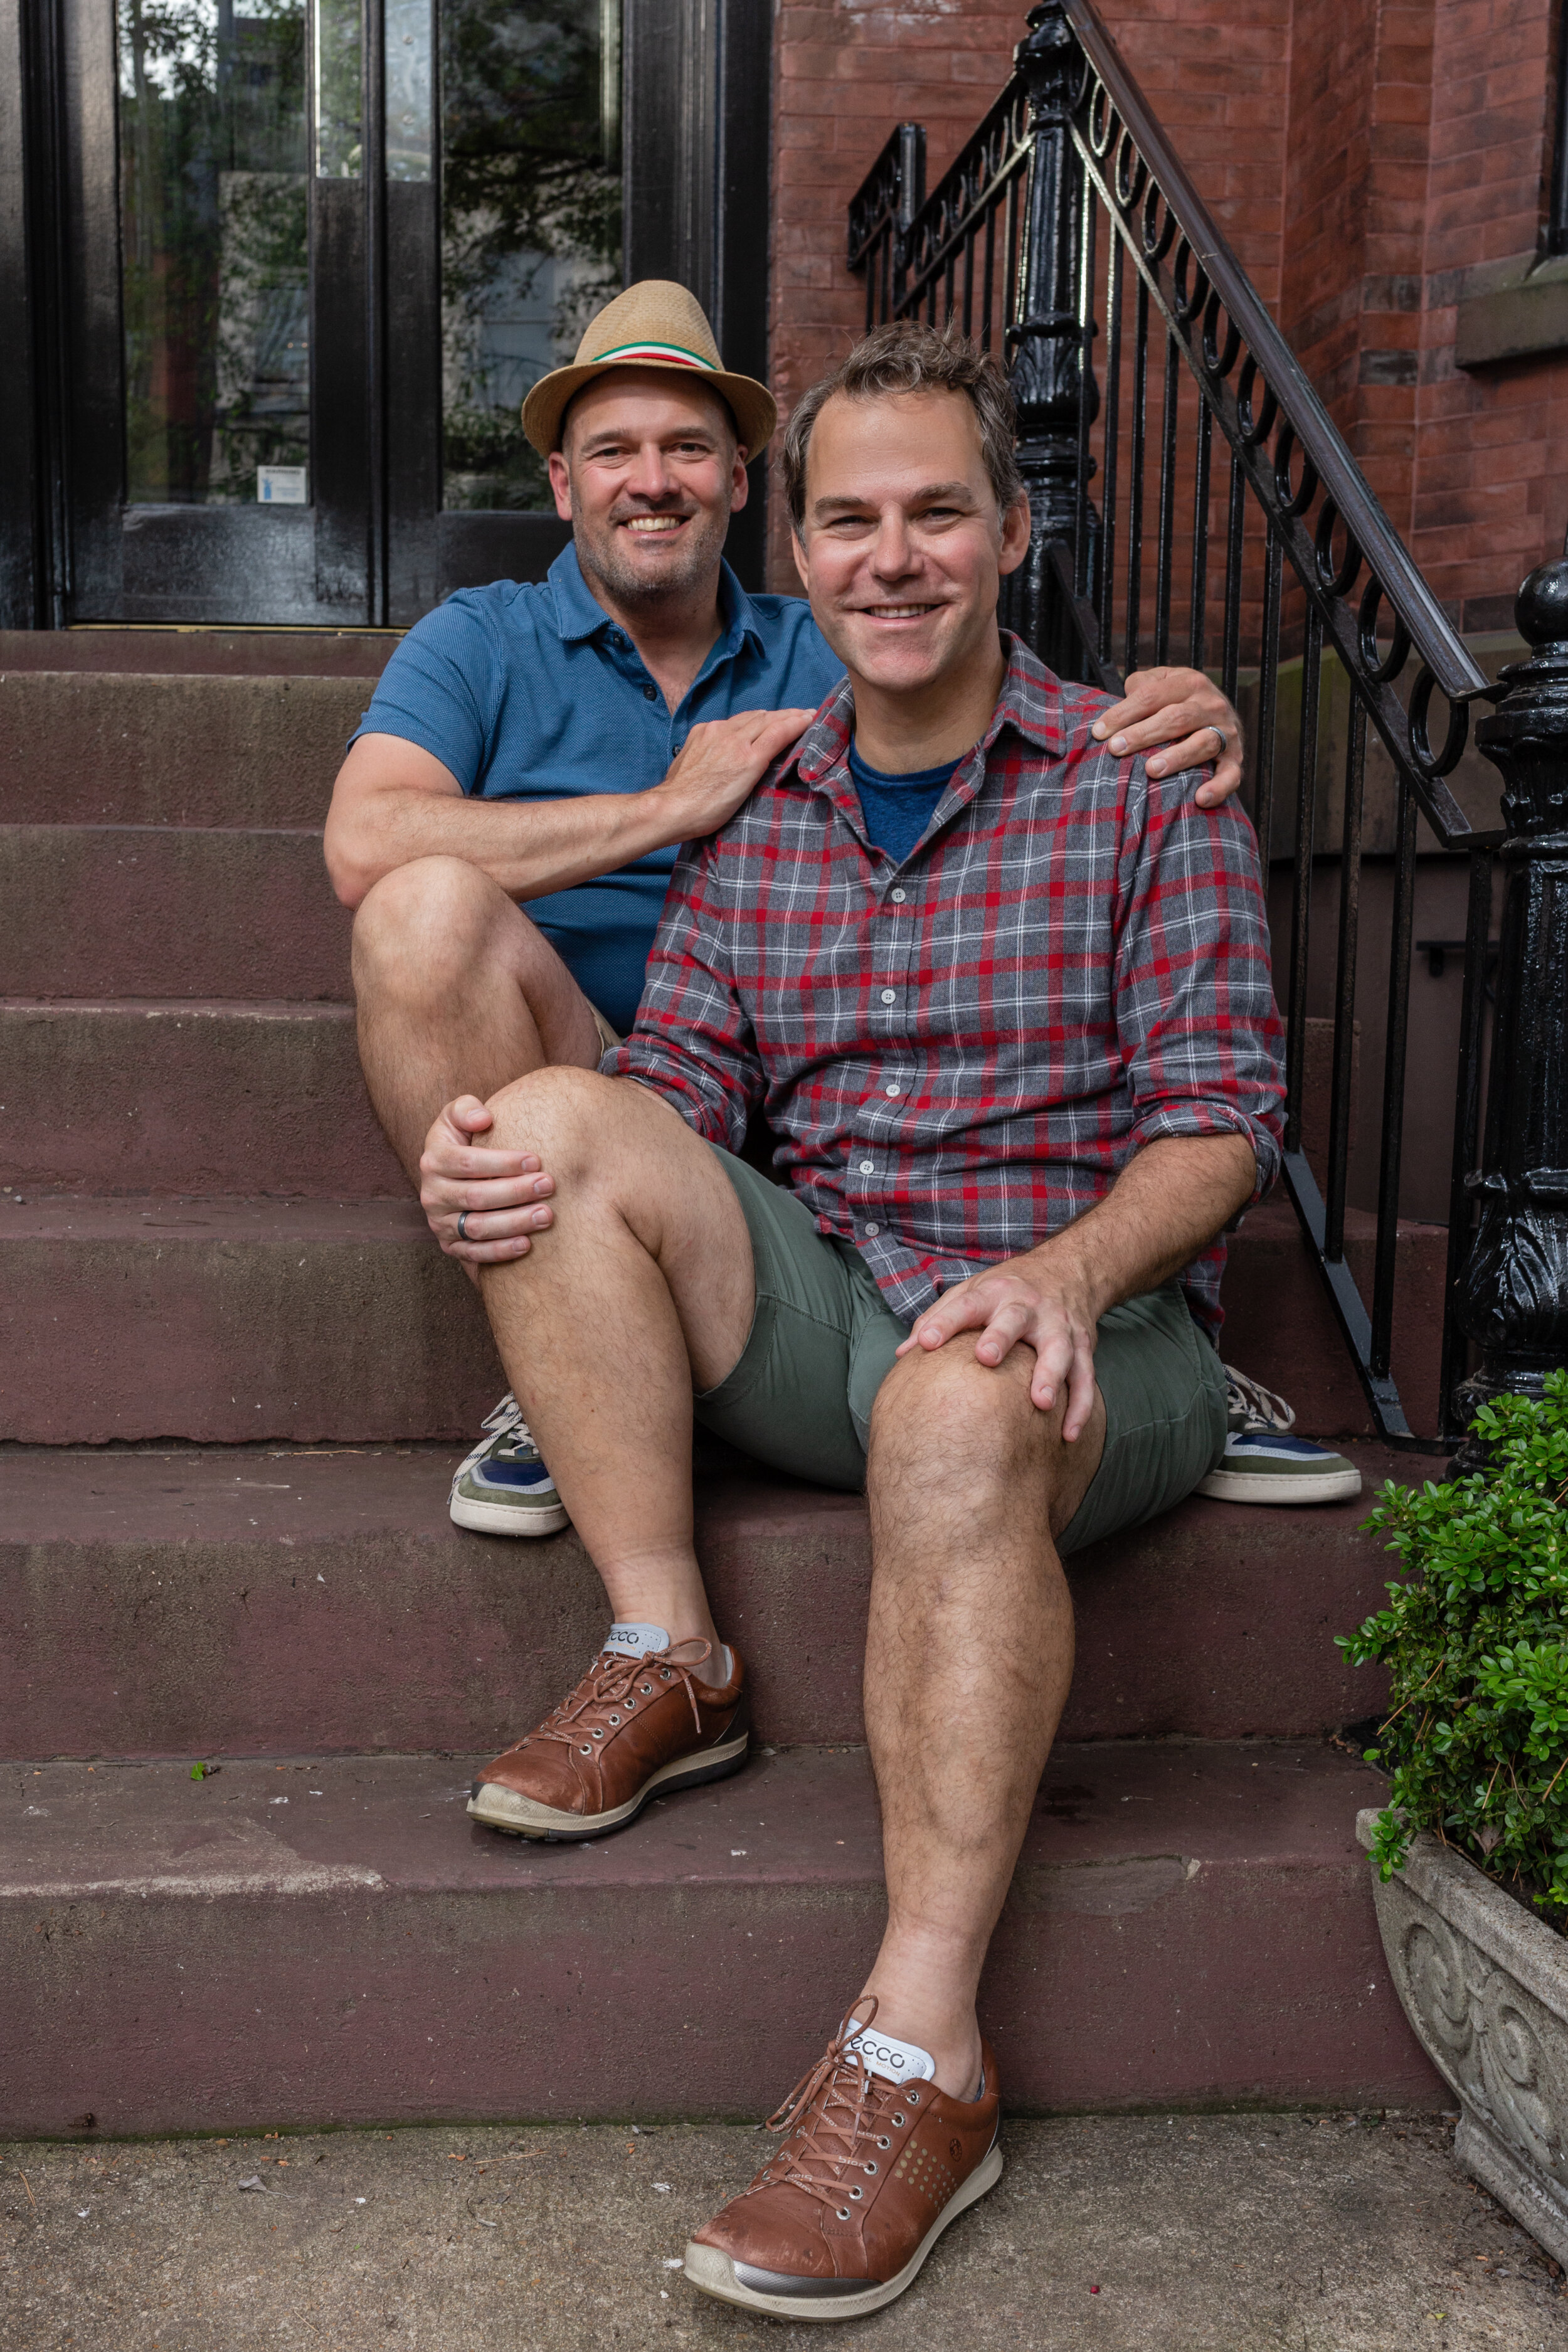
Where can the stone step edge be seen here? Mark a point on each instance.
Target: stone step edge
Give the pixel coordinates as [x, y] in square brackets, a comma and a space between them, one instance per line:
[1194, 1929]
[209, 1604]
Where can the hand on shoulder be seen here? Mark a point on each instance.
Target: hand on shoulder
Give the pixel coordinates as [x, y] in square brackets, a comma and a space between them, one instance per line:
[1176, 716]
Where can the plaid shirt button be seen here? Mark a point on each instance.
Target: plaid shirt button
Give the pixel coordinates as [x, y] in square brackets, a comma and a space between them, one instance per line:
[873, 1230]
[888, 996]
[868, 1167]
[897, 897]
[895, 1090]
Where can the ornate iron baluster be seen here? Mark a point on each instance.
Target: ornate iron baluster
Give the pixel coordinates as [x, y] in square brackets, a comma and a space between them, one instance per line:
[1513, 1297]
[1052, 381]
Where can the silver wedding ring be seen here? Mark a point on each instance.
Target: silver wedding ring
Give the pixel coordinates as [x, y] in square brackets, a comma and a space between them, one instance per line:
[1224, 737]
[462, 1224]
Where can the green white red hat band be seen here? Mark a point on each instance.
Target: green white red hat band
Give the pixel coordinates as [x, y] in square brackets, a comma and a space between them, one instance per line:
[672, 355]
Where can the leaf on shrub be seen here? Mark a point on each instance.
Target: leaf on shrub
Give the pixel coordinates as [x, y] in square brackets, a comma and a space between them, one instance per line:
[1475, 1639]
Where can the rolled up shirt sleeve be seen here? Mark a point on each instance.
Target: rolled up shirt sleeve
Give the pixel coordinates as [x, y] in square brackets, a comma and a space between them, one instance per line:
[1200, 1034]
[692, 1041]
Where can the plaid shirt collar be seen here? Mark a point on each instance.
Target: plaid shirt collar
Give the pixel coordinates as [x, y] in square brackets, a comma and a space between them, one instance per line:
[1030, 703]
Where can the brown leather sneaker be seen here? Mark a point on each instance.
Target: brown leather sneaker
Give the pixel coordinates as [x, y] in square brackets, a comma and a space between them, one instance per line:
[638, 1725]
[878, 2162]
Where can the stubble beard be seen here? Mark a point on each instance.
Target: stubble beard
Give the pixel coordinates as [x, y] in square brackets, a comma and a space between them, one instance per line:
[696, 560]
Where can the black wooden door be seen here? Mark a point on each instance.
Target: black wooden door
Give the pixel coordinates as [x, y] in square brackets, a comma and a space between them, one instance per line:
[276, 274]
[314, 255]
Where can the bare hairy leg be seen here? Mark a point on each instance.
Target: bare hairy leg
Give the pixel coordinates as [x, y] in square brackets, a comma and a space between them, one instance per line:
[638, 1290]
[968, 1660]
[457, 994]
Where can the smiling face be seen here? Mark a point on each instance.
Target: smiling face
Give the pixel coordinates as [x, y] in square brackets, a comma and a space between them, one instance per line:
[903, 549]
[648, 475]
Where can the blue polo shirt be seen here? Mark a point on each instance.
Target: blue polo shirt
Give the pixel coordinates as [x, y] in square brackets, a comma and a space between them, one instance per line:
[531, 691]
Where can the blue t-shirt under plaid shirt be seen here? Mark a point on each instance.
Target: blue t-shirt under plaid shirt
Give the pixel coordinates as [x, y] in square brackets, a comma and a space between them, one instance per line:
[529, 690]
[897, 809]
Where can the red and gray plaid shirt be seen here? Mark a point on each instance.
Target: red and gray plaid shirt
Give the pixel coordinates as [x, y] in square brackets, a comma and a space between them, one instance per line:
[959, 1054]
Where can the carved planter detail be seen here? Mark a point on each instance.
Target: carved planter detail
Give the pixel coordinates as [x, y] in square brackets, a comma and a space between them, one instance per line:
[1485, 1985]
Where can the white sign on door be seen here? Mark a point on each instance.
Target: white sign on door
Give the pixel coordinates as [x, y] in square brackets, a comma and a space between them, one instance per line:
[281, 486]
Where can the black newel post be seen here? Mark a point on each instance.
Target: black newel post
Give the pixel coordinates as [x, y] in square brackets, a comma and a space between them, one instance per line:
[1514, 1290]
[1051, 375]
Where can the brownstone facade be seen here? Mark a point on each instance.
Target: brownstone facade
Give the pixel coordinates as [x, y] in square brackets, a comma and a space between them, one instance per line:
[1381, 171]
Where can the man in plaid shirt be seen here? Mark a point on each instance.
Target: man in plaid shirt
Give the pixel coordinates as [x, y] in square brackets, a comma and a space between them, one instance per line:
[1006, 1002]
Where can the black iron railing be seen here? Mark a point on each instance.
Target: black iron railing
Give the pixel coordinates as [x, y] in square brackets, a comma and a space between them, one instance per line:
[1206, 509]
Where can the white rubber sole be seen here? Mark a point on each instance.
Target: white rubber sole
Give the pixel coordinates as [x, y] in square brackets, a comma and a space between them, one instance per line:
[1257, 1486]
[713, 2272]
[506, 1518]
[503, 1809]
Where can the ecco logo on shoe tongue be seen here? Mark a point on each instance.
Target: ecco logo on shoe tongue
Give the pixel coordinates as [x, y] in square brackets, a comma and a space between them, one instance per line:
[899, 2061]
[635, 1640]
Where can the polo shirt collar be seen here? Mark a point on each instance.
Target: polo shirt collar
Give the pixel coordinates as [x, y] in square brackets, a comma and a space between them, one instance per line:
[579, 614]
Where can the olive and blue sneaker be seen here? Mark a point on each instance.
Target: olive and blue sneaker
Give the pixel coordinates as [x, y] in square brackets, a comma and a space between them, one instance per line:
[503, 1488]
[1264, 1463]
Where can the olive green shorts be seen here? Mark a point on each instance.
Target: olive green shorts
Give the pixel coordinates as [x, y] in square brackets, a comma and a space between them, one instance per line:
[823, 1339]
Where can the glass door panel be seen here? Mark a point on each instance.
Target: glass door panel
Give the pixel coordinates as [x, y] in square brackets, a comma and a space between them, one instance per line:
[214, 252]
[530, 223]
[320, 251]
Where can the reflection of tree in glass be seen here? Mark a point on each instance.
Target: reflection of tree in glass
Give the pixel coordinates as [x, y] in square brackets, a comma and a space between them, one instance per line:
[531, 227]
[262, 410]
[208, 100]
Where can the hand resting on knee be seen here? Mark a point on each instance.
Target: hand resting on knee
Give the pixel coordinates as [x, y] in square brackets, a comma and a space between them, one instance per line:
[500, 1194]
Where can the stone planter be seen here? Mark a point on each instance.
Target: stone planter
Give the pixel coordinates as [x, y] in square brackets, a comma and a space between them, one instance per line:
[1485, 1985]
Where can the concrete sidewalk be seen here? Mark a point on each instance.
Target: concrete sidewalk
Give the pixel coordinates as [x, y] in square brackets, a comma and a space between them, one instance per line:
[1142, 2234]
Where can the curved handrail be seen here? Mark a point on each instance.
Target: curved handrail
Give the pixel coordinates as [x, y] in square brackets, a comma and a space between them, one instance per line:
[1431, 633]
[1308, 481]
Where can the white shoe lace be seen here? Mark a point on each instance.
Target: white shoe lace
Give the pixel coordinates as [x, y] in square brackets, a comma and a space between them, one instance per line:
[1259, 1405]
[502, 1422]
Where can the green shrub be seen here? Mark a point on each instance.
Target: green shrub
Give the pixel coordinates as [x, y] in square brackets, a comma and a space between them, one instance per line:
[1476, 1643]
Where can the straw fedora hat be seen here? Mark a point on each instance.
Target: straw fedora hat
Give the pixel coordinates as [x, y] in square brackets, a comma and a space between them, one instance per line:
[654, 324]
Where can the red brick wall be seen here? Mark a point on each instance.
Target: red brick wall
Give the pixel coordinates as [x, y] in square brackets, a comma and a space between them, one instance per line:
[845, 73]
[1491, 474]
[1355, 192]
[1358, 159]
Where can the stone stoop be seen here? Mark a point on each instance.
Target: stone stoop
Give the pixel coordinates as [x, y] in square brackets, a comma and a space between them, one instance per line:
[228, 1603]
[295, 1943]
[234, 1376]
[228, 1317]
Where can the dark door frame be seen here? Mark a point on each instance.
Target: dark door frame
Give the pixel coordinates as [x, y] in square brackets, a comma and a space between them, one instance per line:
[696, 116]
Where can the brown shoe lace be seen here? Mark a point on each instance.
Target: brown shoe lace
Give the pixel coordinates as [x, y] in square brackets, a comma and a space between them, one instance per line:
[609, 1684]
[838, 2105]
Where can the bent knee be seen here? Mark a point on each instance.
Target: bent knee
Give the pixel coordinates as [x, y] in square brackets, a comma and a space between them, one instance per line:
[563, 1113]
[428, 922]
[946, 1415]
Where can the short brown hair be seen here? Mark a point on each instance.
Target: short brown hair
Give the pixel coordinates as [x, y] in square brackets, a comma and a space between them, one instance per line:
[909, 356]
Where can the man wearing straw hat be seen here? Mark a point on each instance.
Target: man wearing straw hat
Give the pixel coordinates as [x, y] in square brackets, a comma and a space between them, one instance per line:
[509, 812]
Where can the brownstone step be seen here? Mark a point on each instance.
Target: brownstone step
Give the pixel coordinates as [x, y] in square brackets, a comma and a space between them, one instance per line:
[245, 1602]
[213, 912]
[91, 747]
[187, 1096]
[234, 1319]
[299, 1944]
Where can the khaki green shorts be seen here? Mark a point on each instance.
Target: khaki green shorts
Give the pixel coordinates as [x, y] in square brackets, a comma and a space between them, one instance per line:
[823, 1339]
